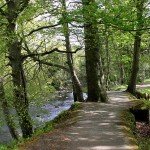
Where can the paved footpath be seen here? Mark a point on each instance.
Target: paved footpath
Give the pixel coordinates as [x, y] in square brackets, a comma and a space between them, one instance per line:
[98, 127]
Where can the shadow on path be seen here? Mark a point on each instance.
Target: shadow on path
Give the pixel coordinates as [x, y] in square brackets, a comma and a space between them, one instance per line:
[98, 127]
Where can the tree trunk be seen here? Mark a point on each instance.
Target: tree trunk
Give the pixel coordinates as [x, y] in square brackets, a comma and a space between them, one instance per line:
[92, 54]
[8, 117]
[19, 84]
[103, 93]
[16, 63]
[135, 65]
[77, 90]
[107, 74]
[121, 77]
[137, 45]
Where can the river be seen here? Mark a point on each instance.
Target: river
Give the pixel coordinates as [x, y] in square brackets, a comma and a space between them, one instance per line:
[40, 115]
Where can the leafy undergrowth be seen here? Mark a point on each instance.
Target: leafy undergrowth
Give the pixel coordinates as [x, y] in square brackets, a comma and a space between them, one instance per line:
[130, 126]
[142, 129]
[143, 135]
[147, 80]
[139, 132]
[57, 122]
[145, 90]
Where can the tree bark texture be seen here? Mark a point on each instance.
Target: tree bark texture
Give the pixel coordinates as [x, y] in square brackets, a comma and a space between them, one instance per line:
[137, 45]
[16, 63]
[8, 117]
[77, 90]
[107, 72]
[96, 91]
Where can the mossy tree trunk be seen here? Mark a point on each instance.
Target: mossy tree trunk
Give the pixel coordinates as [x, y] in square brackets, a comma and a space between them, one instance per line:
[77, 90]
[137, 45]
[8, 117]
[94, 71]
[14, 7]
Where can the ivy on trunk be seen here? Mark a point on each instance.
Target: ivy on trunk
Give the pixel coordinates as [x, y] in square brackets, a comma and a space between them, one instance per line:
[16, 62]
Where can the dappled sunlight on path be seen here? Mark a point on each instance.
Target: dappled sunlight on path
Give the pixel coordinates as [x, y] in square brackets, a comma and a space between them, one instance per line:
[97, 127]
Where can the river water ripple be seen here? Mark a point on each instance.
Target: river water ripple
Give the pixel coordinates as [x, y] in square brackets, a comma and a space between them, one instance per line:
[40, 115]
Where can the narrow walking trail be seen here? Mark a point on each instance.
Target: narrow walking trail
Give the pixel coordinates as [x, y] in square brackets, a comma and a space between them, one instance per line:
[98, 127]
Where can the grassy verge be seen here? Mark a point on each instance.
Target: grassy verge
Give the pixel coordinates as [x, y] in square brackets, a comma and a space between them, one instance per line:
[145, 90]
[143, 143]
[129, 127]
[119, 87]
[51, 125]
[147, 80]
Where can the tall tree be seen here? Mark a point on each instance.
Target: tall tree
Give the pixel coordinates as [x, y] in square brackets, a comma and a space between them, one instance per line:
[94, 71]
[77, 90]
[137, 46]
[13, 10]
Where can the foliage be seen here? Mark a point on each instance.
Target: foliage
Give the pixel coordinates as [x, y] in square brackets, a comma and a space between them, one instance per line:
[129, 125]
[119, 87]
[145, 90]
[144, 143]
[51, 125]
[146, 96]
[116, 22]
[147, 80]
[9, 146]
[129, 120]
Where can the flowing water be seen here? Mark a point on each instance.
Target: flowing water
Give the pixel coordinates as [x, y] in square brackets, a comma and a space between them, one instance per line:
[40, 115]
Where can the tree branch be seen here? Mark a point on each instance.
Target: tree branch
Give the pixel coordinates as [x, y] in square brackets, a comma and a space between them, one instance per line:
[41, 28]
[23, 5]
[51, 64]
[42, 61]
[124, 29]
[48, 52]
[1, 10]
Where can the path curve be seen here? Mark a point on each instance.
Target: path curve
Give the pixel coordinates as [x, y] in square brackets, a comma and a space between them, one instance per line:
[98, 127]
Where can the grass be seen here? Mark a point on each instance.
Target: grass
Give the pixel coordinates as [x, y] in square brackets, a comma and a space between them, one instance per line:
[123, 87]
[145, 90]
[129, 126]
[130, 130]
[51, 125]
[143, 143]
[147, 80]
[129, 120]
[119, 87]
[3, 147]
[10, 146]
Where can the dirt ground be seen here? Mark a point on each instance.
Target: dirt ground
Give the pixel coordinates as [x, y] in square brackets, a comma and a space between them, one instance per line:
[96, 127]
